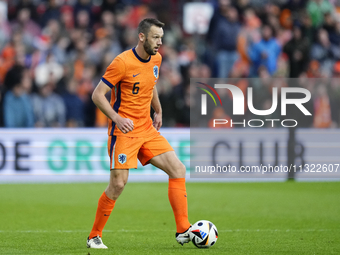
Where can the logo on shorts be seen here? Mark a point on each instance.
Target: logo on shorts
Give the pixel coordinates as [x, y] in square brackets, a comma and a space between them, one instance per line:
[122, 158]
[155, 71]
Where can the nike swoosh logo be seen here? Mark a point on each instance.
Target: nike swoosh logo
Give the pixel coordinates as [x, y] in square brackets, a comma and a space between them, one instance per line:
[134, 75]
[106, 214]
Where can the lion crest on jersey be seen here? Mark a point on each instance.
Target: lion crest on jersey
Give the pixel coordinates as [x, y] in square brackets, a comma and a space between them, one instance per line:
[122, 158]
[155, 71]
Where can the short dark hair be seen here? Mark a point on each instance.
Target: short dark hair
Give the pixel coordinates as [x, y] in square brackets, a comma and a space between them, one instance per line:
[145, 24]
[14, 77]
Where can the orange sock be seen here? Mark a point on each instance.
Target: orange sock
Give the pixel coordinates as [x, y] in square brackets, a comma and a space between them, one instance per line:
[104, 209]
[178, 200]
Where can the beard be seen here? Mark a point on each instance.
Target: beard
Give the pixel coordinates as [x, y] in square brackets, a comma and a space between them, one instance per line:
[148, 49]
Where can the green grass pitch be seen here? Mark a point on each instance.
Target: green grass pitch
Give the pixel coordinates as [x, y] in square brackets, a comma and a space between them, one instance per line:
[252, 218]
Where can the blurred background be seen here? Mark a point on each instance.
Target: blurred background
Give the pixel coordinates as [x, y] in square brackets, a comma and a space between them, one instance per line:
[54, 52]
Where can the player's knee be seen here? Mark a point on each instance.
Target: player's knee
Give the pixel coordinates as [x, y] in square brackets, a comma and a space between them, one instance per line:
[178, 170]
[115, 188]
[119, 186]
[182, 169]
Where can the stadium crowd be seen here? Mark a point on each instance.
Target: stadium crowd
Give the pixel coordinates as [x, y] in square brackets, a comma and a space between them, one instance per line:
[54, 52]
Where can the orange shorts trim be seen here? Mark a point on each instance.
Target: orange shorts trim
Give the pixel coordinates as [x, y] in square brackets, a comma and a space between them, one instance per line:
[124, 151]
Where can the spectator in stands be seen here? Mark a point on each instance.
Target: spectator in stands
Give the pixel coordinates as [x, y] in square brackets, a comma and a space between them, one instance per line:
[25, 22]
[28, 4]
[322, 108]
[294, 5]
[56, 46]
[249, 34]
[83, 20]
[102, 46]
[8, 55]
[66, 18]
[307, 28]
[266, 52]
[83, 5]
[334, 95]
[5, 28]
[328, 23]
[297, 50]
[316, 10]
[28, 29]
[112, 5]
[48, 107]
[84, 37]
[218, 113]
[325, 52]
[223, 32]
[83, 23]
[17, 105]
[334, 36]
[52, 12]
[242, 6]
[313, 70]
[74, 106]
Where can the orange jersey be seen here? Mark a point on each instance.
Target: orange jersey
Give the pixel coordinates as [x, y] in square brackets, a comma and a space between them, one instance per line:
[132, 80]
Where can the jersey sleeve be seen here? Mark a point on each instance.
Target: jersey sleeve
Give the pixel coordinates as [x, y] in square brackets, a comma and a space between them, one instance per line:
[114, 72]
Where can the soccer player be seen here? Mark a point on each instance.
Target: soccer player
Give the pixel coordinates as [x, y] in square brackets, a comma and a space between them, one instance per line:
[132, 78]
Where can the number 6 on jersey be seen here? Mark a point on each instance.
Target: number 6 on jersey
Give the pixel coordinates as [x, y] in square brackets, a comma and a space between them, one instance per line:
[135, 88]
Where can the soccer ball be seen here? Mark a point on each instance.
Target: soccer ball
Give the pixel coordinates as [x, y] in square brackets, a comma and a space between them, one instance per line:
[203, 234]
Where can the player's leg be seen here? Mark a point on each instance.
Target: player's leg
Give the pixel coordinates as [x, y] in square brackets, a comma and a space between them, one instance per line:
[159, 152]
[123, 156]
[106, 203]
[170, 164]
[118, 180]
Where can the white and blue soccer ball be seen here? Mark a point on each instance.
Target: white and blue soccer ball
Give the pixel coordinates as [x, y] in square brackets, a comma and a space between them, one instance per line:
[203, 234]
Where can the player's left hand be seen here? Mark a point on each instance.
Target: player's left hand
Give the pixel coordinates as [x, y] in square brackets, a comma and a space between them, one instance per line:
[157, 120]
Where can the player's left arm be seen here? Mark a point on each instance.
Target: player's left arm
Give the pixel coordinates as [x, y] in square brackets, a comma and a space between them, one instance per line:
[156, 105]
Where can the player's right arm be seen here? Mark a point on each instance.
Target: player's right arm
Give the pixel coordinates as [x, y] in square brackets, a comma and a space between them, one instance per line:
[98, 97]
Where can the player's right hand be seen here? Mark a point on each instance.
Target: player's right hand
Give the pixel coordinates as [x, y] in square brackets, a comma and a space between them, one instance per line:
[124, 124]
